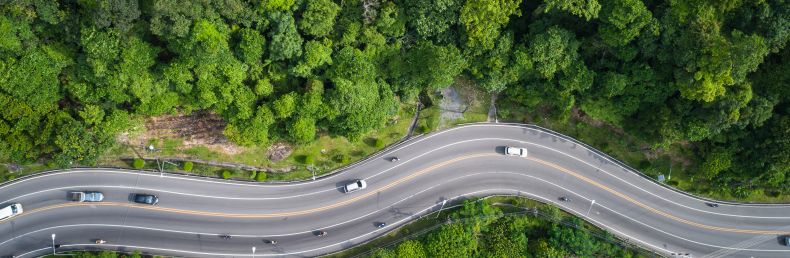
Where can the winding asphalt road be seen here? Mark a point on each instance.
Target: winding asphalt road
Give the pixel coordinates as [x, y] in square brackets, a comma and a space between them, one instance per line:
[454, 164]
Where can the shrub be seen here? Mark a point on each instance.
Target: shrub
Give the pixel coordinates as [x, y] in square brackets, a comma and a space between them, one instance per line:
[343, 158]
[261, 176]
[253, 174]
[773, 193]
[10, 177]
[188, 166]
[309, 159]
[138, 163]
[379, 143]
[226, 174]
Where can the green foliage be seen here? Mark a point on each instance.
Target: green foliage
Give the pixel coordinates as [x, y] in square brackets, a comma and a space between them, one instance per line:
[318, 17]
[484, 18]
[343, 158]
[451, 241]
[138, 163]
[553, 51]
[707, 74]
[226, 174]
[410, 248]
[302, 130]
[260, 176]
[187, 166]
[587, 9]
[285, 106]
[315, 54]
[309, 159]
[286, 43]
[715, 162]
[623, 20]
[430, 67]
[433, 17]
[251, 45]
[379, 143]
[280, 5]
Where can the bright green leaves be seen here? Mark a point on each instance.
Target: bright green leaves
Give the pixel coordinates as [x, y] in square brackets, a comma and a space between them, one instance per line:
[428, 66]
[252, 131]
[318, 17]
[316, 53]
[285, 106]
[277, 5]
[715, 162]
[302, 129]
[101, 48]
[391, 20]
[433, 17]
[623, 20]
[359, 102]
[250, 48]
[503, 65]
[553, 51]
[9, 41]
[484, 18]
[208, 36]
[587, 9]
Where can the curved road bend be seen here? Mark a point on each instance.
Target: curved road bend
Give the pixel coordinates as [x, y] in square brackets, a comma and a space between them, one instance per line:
[448, 165]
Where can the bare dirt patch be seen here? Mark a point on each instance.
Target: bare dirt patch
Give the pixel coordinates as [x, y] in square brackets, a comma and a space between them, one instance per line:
[279, 151]
[197, 129]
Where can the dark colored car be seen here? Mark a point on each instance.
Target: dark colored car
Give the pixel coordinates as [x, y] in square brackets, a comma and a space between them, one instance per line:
[149, 199]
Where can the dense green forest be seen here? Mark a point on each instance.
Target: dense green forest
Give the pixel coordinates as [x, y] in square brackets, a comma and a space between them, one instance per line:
[483, 230]
[710, 75]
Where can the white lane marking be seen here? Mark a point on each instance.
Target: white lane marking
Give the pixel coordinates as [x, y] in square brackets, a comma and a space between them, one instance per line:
[189, 178]
[504, 139]
[434, 150]
[248, 198]
[346, 241]
[546, 200]
[252, 236]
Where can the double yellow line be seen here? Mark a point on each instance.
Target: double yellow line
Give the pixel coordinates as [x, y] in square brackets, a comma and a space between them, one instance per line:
[399, 181]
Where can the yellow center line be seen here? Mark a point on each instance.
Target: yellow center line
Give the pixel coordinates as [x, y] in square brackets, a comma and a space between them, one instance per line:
[651, 209]
[397, 182]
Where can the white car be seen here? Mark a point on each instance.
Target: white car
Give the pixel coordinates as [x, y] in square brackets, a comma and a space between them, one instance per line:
[10, 211]
[358, 184]
[513, 151]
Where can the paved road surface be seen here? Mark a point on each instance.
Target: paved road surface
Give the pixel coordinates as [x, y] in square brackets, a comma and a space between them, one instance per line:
[454, 164]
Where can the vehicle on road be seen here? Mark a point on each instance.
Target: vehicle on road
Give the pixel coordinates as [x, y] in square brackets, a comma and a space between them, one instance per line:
[226, 236]
[10, 211]
[320, 233]
[100, 241]
[149, 199]
[86, 196]
[787, 240]
[358, 184]
[515, 151]
[273, 242]
[394, 159]
[565, 199]
[712, 205]
[381, 224]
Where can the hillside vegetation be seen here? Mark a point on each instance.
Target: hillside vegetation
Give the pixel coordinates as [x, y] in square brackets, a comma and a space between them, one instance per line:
[709, 76]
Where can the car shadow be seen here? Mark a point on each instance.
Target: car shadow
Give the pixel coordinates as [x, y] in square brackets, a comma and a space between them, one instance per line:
[340, 186]
[500, 150]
